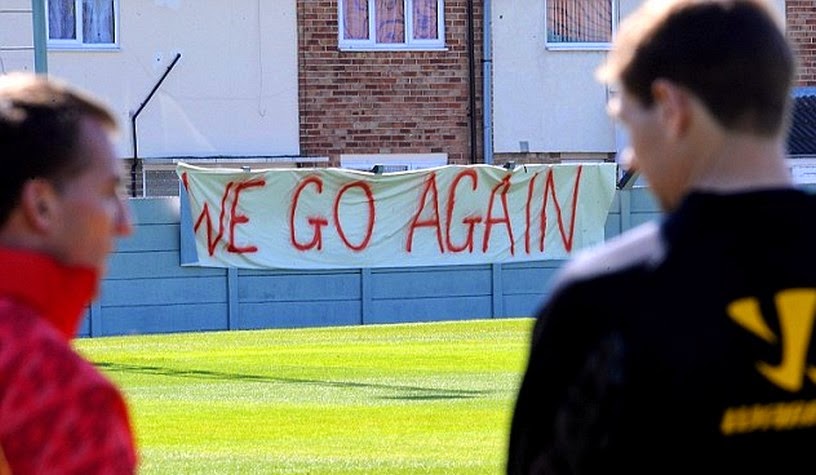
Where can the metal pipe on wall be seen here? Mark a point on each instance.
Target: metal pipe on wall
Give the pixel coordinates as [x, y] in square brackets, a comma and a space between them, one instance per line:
[135, 116]
[487, 81]
[40, 36]
[472, 83]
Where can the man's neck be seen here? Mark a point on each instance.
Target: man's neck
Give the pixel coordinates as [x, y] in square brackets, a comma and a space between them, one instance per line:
[741, 162]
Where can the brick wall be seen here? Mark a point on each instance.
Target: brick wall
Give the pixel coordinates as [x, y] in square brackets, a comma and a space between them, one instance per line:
[386, 101]
[801, 28]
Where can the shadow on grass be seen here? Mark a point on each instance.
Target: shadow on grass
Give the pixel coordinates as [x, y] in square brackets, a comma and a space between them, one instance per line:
[415, 392]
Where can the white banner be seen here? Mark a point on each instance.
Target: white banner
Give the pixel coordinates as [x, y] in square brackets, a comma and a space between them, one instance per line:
[336, 218]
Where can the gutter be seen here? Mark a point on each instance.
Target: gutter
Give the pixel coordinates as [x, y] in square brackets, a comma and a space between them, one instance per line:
[40, 37]
[472, 84]
[487, 81]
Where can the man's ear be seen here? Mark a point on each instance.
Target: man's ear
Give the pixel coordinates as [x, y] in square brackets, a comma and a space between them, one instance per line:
[674, 107]
[39, 204]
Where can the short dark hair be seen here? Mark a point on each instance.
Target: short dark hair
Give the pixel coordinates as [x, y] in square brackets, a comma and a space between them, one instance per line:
[40, 120]
[732, 54]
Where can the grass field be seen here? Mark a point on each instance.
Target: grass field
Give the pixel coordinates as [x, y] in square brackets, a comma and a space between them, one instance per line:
[427, 398]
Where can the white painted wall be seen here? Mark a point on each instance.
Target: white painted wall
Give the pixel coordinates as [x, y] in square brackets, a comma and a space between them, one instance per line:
[234, 92]
[16, 37]
[549, 99]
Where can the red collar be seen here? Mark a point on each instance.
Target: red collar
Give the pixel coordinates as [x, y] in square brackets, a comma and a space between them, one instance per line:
[59, 293]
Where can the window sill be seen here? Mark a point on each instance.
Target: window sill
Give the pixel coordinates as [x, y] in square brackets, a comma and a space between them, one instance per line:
[578, 46]
[84, 48]
[393, 48]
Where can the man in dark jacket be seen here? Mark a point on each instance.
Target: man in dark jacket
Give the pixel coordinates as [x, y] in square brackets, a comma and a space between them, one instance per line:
[687, 346]
[60, 213]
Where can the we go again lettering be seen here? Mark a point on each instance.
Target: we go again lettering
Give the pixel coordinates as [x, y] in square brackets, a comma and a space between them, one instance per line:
[335, 218]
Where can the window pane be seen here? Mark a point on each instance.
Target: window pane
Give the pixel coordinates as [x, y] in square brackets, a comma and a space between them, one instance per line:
[579, 21]
[390, 18]
[97, 21]
[61, 20]
[355, 19]
[425, 25]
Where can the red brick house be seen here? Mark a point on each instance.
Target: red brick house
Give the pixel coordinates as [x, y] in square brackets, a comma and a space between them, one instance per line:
[361, 92]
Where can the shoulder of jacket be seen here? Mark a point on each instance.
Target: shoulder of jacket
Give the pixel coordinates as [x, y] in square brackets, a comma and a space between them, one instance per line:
[641, 246]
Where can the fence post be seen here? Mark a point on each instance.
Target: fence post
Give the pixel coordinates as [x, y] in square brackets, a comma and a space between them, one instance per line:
[498, 290]
[232, 299]
[625, 209]
[365, 295]
[95, 318]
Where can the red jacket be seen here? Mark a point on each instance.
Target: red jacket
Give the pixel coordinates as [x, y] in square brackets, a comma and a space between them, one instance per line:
[58, 414]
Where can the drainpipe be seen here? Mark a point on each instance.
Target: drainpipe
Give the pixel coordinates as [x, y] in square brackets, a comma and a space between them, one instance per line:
[135, 116]
[487, 81]
[40, 37]
[472, 82]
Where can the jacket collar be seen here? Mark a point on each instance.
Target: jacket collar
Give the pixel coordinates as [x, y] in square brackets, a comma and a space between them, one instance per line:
[59, 293]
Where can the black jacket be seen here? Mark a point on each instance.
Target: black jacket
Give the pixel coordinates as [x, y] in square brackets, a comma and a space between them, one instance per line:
[684, 347]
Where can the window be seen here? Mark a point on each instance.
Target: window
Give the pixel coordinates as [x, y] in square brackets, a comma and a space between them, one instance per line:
[580, 24]
[82, 23]
[391, 24]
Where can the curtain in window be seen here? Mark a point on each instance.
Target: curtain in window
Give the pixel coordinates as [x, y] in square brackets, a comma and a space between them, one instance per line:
[97, 21]
[390, 18]
[579, 21]
[355, 19]
[425, 20]
[61, 20]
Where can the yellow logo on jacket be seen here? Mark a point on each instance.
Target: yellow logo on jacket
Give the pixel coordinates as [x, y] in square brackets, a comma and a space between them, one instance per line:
[796, 309]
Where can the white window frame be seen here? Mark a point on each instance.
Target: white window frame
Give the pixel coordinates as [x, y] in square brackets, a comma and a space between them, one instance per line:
[78, 43]
[410, 44]
[588, 46]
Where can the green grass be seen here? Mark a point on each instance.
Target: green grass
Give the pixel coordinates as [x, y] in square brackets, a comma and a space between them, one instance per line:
[429, 398]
